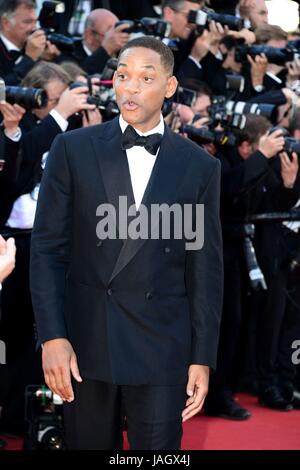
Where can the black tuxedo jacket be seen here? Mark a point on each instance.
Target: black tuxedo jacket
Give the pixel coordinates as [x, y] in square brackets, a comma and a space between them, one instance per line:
[136, 311]
[91, 64]
[13, 73]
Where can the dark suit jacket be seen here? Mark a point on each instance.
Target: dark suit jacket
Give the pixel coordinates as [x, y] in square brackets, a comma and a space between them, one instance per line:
[13, 73]
[36, 140]
[129, 10]
[91, 64]
[8, 176]
[139, 311]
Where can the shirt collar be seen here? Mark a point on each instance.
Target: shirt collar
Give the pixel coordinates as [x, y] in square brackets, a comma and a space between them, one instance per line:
[10, 46]
[86, 49]
[160, 128]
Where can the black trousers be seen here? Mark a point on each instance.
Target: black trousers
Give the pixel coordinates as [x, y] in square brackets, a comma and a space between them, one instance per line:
[94, 420]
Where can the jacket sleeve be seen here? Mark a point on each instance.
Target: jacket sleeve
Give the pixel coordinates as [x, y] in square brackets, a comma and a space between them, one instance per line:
[204, 278]
[50, 245]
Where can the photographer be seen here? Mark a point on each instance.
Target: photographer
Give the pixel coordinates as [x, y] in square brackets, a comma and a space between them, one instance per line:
[101, 41]
[245, 168]
[20, 44]
[39, 128]
[195, 53]
[254, 11]
[9, 154]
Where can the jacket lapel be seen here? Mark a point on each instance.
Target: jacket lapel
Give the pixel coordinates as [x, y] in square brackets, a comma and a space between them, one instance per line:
[113, 165]
[168, 171]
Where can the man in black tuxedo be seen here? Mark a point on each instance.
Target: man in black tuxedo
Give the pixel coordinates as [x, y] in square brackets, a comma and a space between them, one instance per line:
[20, 45]
[134, 321]
[101, 40]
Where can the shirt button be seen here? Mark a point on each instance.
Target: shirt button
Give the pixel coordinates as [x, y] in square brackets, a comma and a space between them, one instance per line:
[167, 249]
[149, 295]
[109, 291]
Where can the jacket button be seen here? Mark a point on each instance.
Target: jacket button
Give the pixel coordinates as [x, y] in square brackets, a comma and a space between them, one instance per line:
[167, 249]
[109, 291]
[149, 295]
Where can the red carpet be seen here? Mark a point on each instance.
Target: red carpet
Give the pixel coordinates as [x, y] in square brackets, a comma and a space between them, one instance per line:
[265, 430]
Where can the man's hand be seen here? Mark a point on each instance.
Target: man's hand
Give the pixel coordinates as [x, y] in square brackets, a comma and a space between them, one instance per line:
[7, 257]
[72, 101]
[59, 362]
[50, 53]
[115, 39]
[271, 144]
[196, 389]
[259, 65]
[36, 44]
[289, 169]
[91, 118]
[12, 115]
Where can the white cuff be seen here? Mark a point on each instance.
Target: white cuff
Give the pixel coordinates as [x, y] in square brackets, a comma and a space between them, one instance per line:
[62, 122]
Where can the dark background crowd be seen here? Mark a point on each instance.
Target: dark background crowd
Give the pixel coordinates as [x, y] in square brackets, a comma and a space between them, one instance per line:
[238, 97]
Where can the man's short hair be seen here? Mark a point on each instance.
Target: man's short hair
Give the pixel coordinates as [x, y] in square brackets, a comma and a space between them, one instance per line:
[148, 42]
[8, 7]
[42, 73]
[267, 32]
[256, 126]
[178, 5]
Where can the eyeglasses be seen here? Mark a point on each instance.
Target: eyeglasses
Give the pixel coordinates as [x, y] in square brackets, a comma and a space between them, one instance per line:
[53, 100]
[96, 33]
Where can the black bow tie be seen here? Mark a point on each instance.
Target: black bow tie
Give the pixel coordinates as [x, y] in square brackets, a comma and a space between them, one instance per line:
[130, 138]
[14, 55]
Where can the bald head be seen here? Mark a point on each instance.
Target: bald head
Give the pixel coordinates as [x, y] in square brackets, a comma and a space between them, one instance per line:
[259, 13]
[97, 24]
[101, 19]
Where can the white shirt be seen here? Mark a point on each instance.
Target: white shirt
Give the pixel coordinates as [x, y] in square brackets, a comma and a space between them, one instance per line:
[86, 49]
[10, 46]
[141, 162]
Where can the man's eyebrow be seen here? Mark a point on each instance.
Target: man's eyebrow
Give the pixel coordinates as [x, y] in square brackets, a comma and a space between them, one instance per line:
[149, 67]
[121, 64]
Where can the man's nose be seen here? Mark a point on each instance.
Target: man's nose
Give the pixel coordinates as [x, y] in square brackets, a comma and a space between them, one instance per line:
[132, 86]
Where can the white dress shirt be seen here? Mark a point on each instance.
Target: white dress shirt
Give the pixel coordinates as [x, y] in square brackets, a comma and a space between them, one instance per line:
[141, 162]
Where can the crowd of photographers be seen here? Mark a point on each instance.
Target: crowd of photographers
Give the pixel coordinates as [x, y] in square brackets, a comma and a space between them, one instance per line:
[238, 97]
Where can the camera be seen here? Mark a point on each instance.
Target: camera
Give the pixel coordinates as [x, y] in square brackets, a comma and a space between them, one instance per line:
[183, 96]
[290, 144]
[275, 55]
[104, 97]
[205, 135]
[147, 27]
[202, 18]
[49, 22]
[29, 98]
[263, 109]
[43, 413]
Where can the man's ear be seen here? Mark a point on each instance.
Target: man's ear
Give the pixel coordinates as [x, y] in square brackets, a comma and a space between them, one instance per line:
[171, 86]
[168, 14]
